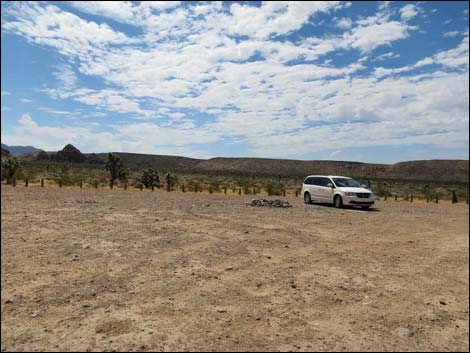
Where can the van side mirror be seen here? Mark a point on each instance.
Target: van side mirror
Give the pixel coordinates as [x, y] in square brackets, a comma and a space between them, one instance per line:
[330, 185]
[364, 186]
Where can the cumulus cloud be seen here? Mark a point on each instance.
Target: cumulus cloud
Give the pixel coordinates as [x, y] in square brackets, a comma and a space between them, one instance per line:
[409, 11]
[451, 34]
[343, 23]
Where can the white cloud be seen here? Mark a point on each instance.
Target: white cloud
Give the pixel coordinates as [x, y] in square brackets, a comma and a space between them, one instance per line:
[334, 154]
[5, 93]
[67, 76]
[55, 111]
[343, 23]
[68, 33]
[124, 11]
[24, 100]
[386, 56]
[384, 5]
[140, 137]
[451, 34]
[368, 37]
[409, 11]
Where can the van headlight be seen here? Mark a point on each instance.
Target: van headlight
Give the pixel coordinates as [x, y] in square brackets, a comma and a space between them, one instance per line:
[347, 193]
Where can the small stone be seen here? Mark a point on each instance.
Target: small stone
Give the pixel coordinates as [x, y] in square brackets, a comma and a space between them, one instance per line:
[9, 301]
[404, 332]
[442, 302]
[229, 269]
[86, 306]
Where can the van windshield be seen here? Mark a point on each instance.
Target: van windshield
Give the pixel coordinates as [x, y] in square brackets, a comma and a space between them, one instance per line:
[346, 182]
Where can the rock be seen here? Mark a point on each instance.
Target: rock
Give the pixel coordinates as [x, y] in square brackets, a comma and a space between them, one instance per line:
[442, 302]
[36, 313]
[404, 332]
[9, 301]
[269, 203]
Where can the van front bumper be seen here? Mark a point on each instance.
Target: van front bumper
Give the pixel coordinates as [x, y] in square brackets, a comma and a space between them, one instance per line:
[358, 201]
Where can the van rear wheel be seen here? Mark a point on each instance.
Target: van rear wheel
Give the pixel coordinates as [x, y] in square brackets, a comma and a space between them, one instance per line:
[307, 198]
[338, 201]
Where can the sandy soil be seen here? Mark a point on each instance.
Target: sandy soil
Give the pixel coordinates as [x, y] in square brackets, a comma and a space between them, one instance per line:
[129, 270]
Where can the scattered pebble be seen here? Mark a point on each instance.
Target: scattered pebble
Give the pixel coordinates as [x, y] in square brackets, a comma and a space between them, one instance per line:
[404, 332]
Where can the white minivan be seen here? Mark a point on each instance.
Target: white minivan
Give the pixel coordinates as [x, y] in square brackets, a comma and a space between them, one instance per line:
[337, 190]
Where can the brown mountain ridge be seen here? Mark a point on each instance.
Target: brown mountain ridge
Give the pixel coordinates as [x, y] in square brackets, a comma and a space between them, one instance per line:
[426, 170]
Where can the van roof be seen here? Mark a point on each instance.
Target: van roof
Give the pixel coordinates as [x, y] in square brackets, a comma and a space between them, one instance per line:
[327, 176]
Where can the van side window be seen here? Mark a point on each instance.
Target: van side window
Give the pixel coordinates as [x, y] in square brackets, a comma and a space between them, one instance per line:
[316, 181]
[324, 182]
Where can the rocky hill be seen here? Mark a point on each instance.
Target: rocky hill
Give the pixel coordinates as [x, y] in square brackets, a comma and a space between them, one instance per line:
[69, 154]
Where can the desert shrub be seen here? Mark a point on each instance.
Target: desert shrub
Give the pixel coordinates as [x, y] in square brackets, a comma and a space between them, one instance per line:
[192, 184]
[247, 190]
[275, 188]
[215, 187]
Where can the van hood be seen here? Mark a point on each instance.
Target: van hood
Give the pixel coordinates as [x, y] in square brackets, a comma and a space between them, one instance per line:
[351, 189]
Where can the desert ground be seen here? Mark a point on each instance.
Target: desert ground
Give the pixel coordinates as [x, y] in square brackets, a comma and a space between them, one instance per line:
[101, 270]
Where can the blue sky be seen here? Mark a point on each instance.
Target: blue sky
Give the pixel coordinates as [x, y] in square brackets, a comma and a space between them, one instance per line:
[363, 81]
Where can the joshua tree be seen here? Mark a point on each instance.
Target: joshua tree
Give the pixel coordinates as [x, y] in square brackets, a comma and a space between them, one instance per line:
[115, 166]
[9, 168]
[150, 178]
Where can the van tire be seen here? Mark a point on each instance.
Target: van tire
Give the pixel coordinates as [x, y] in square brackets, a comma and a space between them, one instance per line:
[338, 201]
[307, 198]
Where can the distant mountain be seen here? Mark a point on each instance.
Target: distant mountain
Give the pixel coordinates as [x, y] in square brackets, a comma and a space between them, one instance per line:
[5, 152]
[427, 170]
[17, 150]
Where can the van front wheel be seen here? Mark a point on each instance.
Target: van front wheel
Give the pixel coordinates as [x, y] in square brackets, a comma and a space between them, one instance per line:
[338, 201]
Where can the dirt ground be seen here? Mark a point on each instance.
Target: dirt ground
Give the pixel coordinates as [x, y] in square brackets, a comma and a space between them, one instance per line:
[100, 270]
